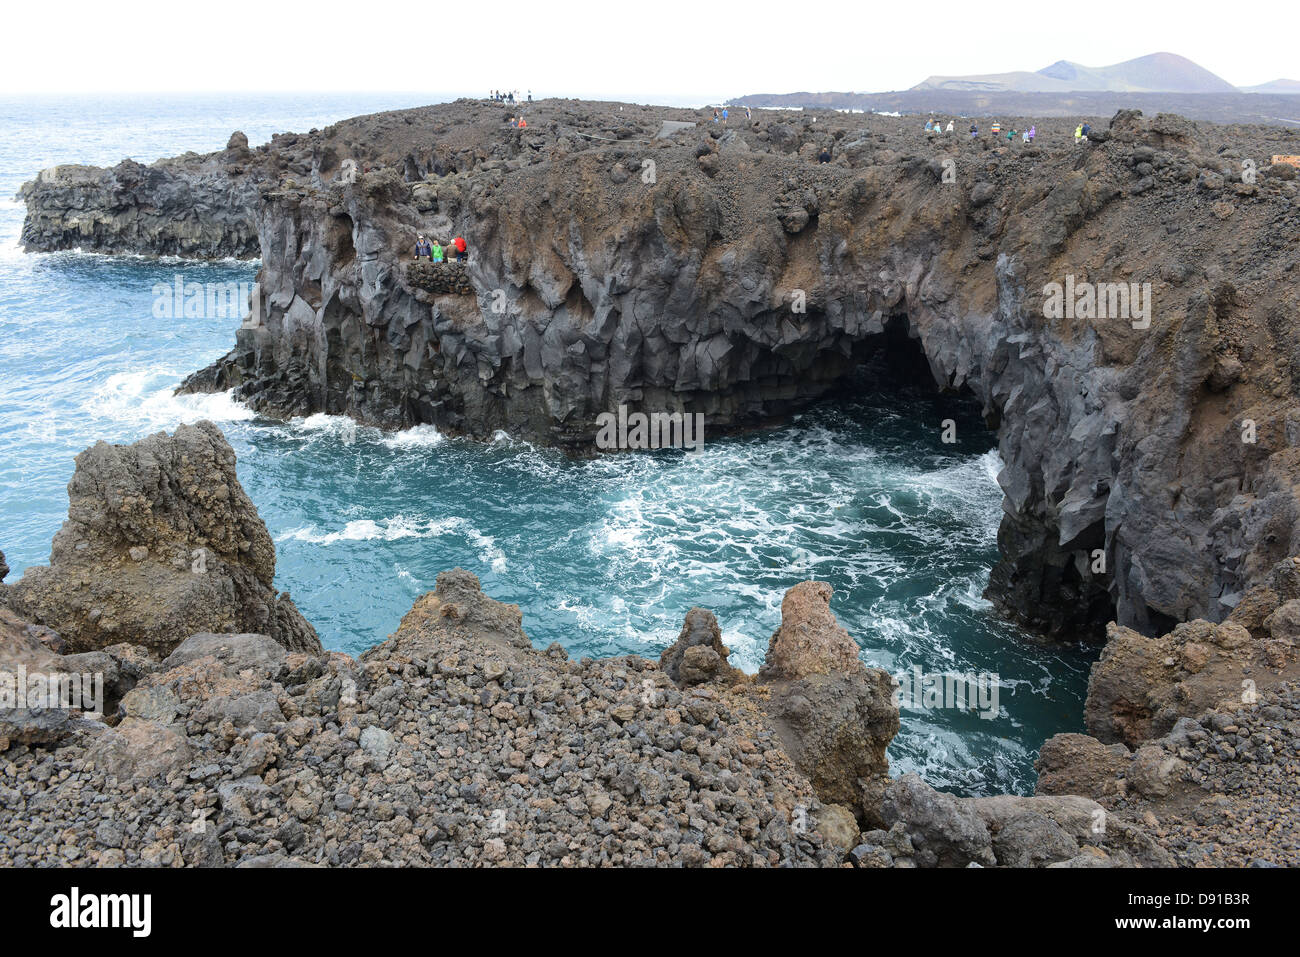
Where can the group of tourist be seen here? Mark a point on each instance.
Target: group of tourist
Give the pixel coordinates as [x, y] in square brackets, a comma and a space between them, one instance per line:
[1026, 135]
[455, 251]
[722, 116]
[508, 96]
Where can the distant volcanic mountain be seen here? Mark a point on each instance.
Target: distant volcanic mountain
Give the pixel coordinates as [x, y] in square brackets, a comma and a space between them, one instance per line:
[1154, 73]
[1286, 87]
[1156, 83]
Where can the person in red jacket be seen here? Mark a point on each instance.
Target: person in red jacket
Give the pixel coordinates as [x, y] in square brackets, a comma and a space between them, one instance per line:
[461, 248]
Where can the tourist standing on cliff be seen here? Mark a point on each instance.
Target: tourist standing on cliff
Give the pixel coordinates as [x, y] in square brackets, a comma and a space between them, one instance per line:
[974, 130]
[948, 128]
[437, 251]
[1033, 131]
[1078, 134]
[462, 249]
[422, 248]
[825, 155]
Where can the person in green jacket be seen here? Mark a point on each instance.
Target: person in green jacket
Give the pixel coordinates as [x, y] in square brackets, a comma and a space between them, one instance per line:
[437, 251]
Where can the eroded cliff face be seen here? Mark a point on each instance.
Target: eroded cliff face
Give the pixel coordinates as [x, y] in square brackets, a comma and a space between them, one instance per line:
[724, 271]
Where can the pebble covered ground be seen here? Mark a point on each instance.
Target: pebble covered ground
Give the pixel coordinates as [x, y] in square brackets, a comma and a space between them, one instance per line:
[456, 743]
[453, 743]
[1231, 798]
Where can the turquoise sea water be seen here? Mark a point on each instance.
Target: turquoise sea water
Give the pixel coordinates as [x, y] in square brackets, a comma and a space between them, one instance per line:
[602, 556]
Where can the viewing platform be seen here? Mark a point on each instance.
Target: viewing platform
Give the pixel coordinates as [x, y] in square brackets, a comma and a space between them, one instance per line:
[442, 278]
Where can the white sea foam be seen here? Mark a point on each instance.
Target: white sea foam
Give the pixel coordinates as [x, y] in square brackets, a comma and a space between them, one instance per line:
[319, 422]
[145, 399]
[366, 530]
[321, 425]
[345, 429]
[991, 463]
[489, 553]
[416, 437]
[747, 652]
[399, 527]
[12, 252]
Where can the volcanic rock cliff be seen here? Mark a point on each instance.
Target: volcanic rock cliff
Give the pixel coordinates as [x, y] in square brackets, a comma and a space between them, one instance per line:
[1150, 460]
[192, 205]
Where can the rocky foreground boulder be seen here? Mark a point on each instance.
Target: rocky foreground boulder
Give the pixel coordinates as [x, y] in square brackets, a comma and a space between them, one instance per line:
[1196, 733]
[835, 715]
[698, 655]
[161, 541]
[1218, 790]
[1140, 687]
[928, 828]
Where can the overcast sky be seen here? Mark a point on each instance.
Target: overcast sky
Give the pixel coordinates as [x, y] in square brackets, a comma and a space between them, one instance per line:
[646, 50]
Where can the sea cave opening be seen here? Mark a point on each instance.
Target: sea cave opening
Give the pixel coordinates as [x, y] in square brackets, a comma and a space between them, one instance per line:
[922, 508]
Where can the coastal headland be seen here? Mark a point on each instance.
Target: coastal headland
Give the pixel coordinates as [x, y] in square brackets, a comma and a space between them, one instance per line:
[653, 259]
